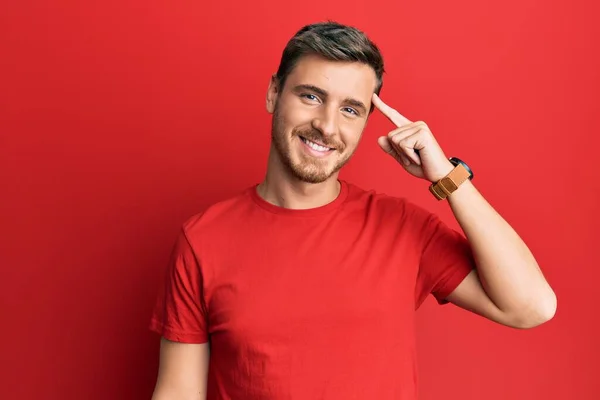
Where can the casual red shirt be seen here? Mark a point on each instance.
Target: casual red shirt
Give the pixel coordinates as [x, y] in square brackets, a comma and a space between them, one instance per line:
[309, 304]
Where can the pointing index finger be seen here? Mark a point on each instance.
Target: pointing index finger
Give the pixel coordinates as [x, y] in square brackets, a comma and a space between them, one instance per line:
[393, 115]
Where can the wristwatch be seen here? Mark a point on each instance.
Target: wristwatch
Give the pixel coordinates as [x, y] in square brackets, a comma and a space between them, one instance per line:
[448, 184]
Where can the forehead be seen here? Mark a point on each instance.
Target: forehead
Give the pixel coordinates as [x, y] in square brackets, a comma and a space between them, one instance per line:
[338, 78]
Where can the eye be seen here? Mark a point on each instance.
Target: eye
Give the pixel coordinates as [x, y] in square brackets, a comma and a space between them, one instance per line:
[350, 110]
[309, 96]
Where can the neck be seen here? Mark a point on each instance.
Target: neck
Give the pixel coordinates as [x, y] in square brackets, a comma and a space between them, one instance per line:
[281, 188]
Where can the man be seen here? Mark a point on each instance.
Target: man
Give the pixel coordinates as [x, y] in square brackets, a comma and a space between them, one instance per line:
[305, 286]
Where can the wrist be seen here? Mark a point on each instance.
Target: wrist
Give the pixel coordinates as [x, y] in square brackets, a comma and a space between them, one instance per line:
[441, 172]
[459, 173]
[462, 192]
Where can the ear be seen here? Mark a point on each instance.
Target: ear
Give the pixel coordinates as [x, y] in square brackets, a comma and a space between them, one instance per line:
[272, 94]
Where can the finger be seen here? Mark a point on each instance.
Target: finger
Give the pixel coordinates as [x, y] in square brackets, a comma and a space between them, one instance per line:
[385, 143]
[407, 130]
[406, 143]
[394, 116]
[410, 146]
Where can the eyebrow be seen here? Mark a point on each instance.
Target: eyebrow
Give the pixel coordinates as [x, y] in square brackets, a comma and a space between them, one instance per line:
[323, 93]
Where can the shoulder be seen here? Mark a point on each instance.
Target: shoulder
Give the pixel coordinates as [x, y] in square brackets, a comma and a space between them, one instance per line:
[381, 202]
[219, 215]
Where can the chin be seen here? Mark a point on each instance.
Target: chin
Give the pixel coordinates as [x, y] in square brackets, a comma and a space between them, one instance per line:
[314, 179]
[311, 172]
[306, 168]
[310, 175]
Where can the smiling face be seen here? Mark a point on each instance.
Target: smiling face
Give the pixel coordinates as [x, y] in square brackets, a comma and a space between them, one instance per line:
[319, 116]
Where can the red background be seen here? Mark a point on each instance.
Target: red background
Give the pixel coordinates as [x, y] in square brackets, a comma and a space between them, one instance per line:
[120, 119]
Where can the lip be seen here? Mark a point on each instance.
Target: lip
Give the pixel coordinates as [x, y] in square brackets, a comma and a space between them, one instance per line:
[313, 152]
[319, 143]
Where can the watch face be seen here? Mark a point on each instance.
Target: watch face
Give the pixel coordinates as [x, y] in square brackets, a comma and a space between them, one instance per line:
[455, 161]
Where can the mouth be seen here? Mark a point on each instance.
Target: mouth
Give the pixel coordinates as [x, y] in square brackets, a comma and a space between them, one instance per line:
[318, 147]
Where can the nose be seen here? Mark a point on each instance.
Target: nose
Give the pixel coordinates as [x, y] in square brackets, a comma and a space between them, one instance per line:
[326, 121]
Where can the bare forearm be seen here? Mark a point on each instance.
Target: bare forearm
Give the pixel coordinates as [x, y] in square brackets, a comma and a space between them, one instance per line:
[507, 269]
[163, 394]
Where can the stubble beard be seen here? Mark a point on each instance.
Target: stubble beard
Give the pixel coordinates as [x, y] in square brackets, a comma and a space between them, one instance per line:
[310, 170]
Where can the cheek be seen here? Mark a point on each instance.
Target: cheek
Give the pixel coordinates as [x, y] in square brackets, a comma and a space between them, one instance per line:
[294, 115]
[352, 134]
[281, 120]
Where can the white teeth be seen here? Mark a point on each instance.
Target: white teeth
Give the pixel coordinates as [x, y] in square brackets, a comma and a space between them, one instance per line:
[315, 146]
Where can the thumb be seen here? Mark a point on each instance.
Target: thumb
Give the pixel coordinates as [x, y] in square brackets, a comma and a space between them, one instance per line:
[385, 144]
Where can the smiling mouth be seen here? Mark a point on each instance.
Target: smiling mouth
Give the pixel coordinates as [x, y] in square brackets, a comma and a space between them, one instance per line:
[316, 146]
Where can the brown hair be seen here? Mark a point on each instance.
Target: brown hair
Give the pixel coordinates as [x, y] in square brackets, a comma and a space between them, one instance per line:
[332, 41]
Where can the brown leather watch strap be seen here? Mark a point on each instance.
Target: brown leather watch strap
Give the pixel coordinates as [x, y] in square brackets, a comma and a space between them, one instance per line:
[448, 184]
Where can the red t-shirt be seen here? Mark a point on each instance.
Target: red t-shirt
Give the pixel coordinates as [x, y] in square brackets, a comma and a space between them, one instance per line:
[309, 304]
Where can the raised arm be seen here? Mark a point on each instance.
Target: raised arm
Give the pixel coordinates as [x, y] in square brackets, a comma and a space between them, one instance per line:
[507, 285]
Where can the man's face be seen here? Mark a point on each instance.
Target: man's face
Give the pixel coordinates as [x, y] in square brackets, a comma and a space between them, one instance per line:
[319, 115]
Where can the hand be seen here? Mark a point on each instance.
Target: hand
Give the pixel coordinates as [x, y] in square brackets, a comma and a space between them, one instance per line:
[412, 144]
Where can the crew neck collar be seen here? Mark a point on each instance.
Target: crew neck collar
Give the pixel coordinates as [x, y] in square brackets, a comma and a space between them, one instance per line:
[308, 212]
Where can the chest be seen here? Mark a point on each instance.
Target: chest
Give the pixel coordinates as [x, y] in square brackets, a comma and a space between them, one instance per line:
[279, 283]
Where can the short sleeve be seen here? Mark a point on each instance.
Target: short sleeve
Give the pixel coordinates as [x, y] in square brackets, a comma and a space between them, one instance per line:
[180, 311]
[446, 259]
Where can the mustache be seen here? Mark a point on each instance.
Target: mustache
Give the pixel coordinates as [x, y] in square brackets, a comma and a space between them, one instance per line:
[315, 136]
